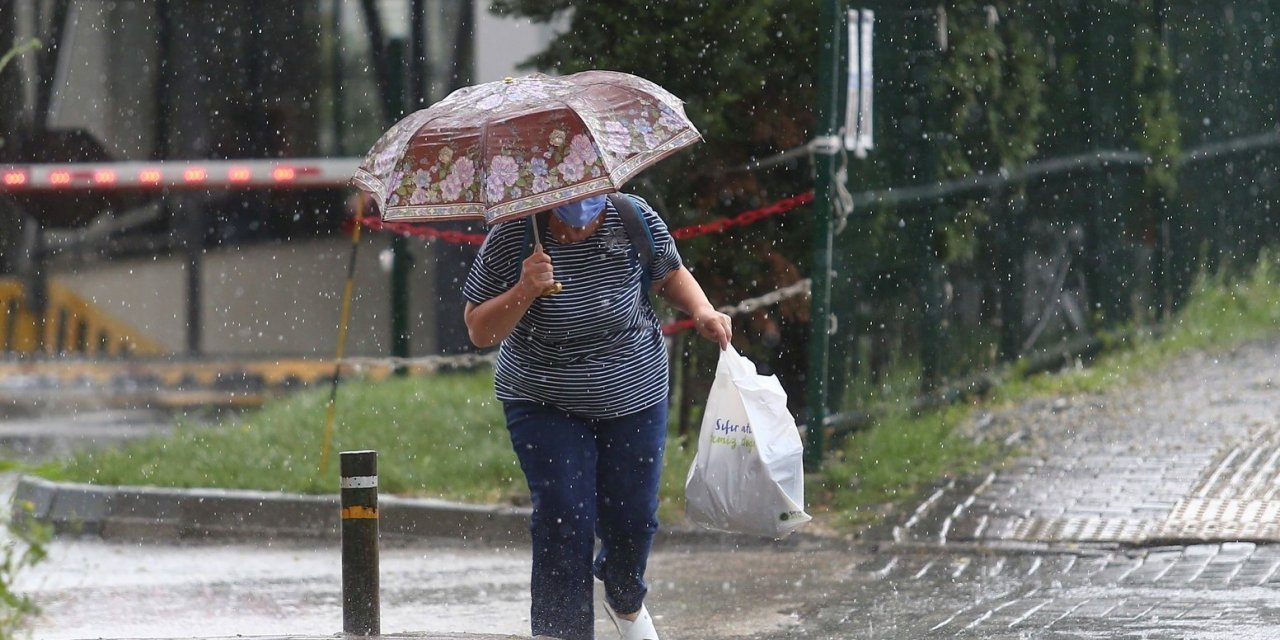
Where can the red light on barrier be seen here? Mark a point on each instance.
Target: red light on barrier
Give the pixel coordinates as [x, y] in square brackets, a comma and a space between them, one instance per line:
[236, 175]
[283, 174]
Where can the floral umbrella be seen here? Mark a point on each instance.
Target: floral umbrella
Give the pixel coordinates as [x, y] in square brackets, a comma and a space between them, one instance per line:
[501, 150]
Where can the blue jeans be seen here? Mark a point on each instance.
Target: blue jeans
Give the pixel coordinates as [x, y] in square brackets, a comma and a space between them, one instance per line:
[588, 478]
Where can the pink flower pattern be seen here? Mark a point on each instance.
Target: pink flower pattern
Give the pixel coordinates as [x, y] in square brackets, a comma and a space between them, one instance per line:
[451, 187]
[503, 173]
[571, 170]
[582, 151]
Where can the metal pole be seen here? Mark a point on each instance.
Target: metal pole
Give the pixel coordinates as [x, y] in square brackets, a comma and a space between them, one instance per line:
[383, 69]
[1009, 251]
[450, 262]
[337, 77]
[400, 265]
[926, 39]
[360, 543]
[161, 92]
[47, 65]
[417, 55]
[401, 260]
[824, 158]
[10, 83]
[193, 225]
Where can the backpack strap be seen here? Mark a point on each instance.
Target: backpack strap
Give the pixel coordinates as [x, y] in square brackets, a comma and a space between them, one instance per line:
[638, 232]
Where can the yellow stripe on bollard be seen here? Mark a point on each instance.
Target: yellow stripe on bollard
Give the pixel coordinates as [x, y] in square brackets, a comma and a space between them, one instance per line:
[359, 513]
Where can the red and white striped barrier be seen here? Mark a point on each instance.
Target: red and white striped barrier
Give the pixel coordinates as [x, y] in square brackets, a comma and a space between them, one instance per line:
[171, 175]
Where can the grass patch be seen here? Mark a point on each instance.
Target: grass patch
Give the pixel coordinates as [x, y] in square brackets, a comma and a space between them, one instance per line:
[440, 436]
[893, 460]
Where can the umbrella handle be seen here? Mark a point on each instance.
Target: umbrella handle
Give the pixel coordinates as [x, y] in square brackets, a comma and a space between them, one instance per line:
[555, 287]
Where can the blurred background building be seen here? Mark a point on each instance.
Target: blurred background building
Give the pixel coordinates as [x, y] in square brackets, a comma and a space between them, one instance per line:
[225, 271]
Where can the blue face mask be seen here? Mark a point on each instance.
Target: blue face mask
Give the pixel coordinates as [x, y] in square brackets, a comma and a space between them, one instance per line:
[580, 214]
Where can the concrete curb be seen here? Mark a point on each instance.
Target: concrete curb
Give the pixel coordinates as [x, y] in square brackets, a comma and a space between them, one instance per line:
[155, 514]
[147, 513]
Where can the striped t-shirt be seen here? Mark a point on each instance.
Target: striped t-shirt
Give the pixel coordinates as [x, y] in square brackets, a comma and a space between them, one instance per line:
[595, 348]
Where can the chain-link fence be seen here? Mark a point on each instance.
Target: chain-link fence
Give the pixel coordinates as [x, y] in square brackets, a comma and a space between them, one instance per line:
[1045, 173]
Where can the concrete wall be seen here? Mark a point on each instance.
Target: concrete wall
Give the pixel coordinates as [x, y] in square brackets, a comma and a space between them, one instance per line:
[266, 300]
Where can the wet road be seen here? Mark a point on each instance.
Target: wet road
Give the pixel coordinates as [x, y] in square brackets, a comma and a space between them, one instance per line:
[95, 589]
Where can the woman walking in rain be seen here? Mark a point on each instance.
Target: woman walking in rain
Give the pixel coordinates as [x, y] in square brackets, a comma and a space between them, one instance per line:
[582, 375]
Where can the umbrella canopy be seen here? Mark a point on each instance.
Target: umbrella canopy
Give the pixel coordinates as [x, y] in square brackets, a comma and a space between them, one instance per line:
[502, 150]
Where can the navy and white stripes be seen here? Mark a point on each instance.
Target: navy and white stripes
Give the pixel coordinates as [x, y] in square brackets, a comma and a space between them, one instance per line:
[594, 349]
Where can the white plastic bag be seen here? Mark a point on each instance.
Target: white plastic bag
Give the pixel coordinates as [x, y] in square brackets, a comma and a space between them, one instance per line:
[748, 475]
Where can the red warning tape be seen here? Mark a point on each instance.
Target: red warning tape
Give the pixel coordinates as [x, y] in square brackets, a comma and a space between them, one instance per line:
[744, 218]
[719, 226]
[677, 326]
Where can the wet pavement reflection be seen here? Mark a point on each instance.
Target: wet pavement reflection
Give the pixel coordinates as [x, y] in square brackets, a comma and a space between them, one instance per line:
[91, 588]
[1168, 593]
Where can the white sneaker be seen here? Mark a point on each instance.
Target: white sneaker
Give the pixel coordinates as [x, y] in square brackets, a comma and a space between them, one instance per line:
[639, 629]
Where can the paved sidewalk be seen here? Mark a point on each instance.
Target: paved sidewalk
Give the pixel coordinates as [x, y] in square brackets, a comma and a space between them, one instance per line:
[1190, 456]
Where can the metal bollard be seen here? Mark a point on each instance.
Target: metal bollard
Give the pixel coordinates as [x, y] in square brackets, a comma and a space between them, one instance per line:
[359, 542]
